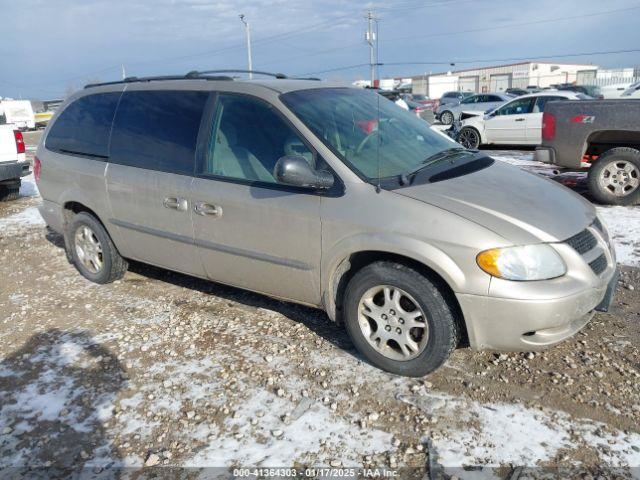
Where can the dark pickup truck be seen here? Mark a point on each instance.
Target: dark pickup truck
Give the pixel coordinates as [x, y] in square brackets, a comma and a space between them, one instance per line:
[601, 136]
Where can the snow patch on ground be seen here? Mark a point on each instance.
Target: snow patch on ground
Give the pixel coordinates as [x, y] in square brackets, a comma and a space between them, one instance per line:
[285, 444]
[44, 389]
[623, 224]
[30, 217]
[29, 187]
[491, 435]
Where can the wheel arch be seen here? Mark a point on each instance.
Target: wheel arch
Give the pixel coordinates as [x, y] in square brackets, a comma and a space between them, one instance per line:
[348, 266]
[600, 141]
[73, 207]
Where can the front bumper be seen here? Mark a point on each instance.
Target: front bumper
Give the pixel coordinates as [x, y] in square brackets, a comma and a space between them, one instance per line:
[526, 325]
[13, 170]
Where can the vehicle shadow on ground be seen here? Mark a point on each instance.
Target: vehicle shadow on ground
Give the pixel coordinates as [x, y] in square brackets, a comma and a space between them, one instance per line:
[55, 392]
[316, 320]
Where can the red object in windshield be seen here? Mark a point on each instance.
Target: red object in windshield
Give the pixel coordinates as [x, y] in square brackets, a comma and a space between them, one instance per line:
[367, 126]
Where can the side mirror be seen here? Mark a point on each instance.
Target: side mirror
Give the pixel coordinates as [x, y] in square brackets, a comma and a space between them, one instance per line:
[294, 170]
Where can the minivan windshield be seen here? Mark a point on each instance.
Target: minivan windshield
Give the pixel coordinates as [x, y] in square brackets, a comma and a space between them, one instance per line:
[371, 134]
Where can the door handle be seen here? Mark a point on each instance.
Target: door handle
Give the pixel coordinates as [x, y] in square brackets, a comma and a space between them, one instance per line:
[206, 209]
[176, 203]
[519, 119]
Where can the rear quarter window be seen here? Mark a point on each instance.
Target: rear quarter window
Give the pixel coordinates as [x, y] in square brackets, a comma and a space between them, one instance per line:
[83, 127]
[158, 130]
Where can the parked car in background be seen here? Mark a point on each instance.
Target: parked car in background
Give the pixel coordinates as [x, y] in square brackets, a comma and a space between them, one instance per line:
[518, 122]
[325, 196]
[480, 102]
[632, 92]
[615, 90]
[453, 97]
[516, 92]
[19, 113]
[13, 164]
[425, 112]
[592, 90]
[603, 137]
[405, 100]
[421, 99]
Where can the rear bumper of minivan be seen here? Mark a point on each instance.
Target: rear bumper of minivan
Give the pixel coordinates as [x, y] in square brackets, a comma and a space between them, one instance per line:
[52, 215]
[526, 325]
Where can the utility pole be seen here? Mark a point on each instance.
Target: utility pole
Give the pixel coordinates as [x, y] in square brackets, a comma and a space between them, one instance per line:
[247, 30]
[371, 39]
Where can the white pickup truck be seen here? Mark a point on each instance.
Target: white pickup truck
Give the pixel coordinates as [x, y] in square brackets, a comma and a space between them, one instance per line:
[13, 164]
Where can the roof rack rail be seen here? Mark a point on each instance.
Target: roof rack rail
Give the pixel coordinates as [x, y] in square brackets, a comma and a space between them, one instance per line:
[197, 74]
[160, 78]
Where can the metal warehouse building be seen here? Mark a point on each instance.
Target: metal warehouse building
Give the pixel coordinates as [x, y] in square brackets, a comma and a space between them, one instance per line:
[499, 78]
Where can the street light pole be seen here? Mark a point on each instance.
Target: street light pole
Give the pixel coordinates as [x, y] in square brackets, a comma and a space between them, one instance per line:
[247, 30]
[370, 38]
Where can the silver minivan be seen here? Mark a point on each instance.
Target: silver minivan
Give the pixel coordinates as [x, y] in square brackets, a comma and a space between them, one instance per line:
[328, 196]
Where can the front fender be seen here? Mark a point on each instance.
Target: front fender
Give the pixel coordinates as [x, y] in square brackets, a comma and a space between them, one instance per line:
[336, 261]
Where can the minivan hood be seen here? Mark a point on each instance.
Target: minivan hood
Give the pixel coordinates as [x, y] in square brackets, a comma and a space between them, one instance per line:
[519, 206]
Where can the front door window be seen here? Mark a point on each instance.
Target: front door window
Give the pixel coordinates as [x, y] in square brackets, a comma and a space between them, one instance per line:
[248, 138]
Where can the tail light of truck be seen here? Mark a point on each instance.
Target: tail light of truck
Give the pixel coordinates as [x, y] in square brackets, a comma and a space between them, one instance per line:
[37, 168]
[548, 126]
[17, 134]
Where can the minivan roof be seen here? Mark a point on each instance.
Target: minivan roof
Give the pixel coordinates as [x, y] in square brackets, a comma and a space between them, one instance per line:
[279, 83]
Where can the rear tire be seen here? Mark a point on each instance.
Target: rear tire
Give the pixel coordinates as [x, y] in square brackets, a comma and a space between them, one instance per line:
[446, 118]
[8, 193]
[431, 326]
[614, 178]
[91, 250]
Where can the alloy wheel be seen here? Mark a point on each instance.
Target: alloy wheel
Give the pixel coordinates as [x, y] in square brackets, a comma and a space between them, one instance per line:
[447, 118]
[393, 322]
[468, 138]
[620, 178]
[88, 249]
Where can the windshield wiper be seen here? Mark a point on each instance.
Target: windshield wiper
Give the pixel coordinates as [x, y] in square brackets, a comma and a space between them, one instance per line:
[448, 153]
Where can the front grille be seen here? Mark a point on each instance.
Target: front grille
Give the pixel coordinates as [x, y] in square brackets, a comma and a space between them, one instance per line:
[583, 242]
[599, 265]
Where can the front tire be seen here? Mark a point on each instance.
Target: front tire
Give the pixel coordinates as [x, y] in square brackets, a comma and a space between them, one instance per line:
[447, 117]
[469, 138]
[614, 178]
[400, 320]
[91, 250]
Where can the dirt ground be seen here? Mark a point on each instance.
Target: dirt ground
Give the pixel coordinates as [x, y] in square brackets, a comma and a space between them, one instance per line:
[160, 369]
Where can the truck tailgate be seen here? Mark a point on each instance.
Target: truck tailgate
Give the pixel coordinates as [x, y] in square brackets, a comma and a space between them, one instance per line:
[8, 150]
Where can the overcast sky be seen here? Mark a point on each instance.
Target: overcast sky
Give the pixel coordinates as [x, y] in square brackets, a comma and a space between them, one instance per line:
[51, 46]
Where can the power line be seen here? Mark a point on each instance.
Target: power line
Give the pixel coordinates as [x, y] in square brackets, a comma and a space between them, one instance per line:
[511, 59]
[511, 25]
[334, 21]
[458, 32]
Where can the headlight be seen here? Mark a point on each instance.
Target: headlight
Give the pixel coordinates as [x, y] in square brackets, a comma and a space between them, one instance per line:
[529, 262]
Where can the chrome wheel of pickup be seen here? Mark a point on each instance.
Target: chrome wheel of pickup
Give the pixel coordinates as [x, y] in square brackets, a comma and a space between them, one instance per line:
[392, 322]
[88, 249]
[620, 178]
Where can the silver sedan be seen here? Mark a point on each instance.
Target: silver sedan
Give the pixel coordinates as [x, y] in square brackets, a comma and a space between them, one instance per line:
[449, 113]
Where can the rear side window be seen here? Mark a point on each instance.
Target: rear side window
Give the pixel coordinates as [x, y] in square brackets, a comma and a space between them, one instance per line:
[83, 127]
[158, 130]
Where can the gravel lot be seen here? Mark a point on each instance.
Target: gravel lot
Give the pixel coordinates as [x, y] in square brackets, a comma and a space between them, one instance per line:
[160, 369]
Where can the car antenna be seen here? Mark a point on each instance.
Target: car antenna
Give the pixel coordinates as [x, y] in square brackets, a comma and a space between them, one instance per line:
[378, 188]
